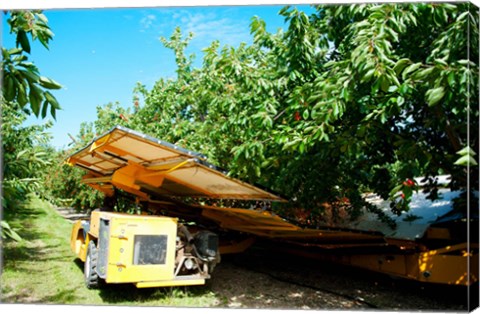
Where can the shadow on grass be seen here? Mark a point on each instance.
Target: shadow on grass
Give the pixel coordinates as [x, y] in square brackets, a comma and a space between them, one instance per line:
[28, 249]
[62, 297]
[24, 297]
[121, 293]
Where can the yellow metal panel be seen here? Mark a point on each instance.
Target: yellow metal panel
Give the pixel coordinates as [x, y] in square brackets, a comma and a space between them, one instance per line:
[190, 184]
[123, 230]
[153, 179]
[125, 177]
[448, 269]
[144, 150]
[106, 189]
[217, 184]
[169, 163]
[448, 265]
[95, 222]
[428, 266]
[100, 142]
[90, 179]
[90, 159]
[170, 283]
[74, 244]
[108, 165]
[113, 150]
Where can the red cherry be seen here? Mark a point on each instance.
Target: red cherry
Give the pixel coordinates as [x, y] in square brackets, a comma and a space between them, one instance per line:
[297, 116]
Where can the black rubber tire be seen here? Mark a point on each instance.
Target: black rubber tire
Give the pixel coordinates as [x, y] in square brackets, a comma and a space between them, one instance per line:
[92, 280]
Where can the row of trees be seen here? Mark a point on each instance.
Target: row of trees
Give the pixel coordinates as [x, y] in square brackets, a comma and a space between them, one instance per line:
[347, 100]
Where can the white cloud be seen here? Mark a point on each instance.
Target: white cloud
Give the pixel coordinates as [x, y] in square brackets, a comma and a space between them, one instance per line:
[147, 21]
[224, 29]
[206, 26]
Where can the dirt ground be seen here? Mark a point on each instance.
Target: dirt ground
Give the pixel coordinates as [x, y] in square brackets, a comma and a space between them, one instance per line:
[260, 279]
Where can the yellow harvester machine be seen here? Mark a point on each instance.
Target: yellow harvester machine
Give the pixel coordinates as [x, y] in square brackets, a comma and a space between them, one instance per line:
[181, 243]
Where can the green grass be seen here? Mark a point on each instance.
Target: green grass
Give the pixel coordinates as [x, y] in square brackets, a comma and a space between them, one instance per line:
[42, 269]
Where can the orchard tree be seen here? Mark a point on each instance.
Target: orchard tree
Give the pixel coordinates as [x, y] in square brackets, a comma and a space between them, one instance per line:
[25, 156]
[25, 91]
[398, 91]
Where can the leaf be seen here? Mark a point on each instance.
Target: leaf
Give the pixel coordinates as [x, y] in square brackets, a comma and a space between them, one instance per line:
[441, 62]
[10, 89]
[23, 41]
[465, 161]
[435, 95]
[8, 232]
[35, 98]
[15, 51]
[21, 95]
[384, 83]
[49, 83]
[383, 117]
[467, 151]
[410, 69]
[44, 108]
[423, 74]
[395, 190]
[52, 100]
[29, 75]
[42, 17]
[400, 65]
[451, 79]
[305, 114]
[21, 154]
[301, 147]
[258, 172]
[368, 75]
[466, 62]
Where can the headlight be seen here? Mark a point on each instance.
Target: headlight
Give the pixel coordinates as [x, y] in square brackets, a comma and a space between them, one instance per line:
[189, 263]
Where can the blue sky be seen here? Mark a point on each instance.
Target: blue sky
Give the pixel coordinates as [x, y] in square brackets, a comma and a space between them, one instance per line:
[98, 55]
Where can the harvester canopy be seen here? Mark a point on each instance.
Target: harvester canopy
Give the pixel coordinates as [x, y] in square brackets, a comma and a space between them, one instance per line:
[143, 165]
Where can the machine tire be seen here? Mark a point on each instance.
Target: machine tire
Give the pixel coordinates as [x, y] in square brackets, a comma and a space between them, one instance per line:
[92, 280]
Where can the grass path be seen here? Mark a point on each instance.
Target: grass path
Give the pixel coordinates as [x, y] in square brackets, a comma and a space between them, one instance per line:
[42, 269]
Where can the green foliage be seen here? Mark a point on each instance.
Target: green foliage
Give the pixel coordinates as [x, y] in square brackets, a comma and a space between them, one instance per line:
[25, 156]
[63, 186]
[350, 99]
[25, 149]
[22, 81]
[7, 232]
